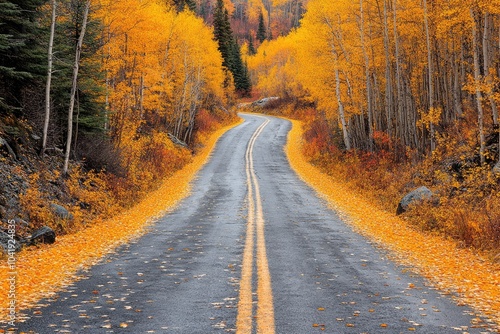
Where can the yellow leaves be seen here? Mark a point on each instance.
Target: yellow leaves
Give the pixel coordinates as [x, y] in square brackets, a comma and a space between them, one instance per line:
[45, 269]
[448, 266]
[432, 116]
[160, 65]
[276, 67]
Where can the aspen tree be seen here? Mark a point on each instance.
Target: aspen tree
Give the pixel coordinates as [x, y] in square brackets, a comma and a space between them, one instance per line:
[50, 56]
[477, 88]
[76, 67]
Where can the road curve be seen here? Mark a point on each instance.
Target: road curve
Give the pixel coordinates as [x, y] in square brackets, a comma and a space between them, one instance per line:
[252, 250]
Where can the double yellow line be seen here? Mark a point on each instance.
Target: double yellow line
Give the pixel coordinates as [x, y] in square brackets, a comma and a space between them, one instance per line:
[255, 225]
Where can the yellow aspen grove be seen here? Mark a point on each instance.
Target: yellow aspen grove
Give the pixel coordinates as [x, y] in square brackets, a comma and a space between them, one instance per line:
[162, 68]
[364, 65]
[394, 82]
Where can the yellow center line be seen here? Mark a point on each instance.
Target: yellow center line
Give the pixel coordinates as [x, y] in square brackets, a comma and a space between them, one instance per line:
[255, 221]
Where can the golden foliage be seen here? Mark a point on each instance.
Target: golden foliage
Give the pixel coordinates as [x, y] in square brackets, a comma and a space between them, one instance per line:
[162, 68]
[47, 268]
[448, 266]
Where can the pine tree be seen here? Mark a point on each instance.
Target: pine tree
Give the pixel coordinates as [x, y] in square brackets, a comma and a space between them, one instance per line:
[223, 33]
[181, 5]
[261, 31]
[239, 70]
[229, 49]
[251, 47]
[22, 60]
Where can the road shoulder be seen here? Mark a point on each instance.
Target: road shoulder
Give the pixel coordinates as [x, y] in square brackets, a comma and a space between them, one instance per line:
[466, 276]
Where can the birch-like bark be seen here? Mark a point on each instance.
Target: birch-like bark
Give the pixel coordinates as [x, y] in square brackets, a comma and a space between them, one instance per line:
[479, 95]
[367, 77]
[487, 65]
[430, 76]
[388, 80]
[76, 68]
[49, 79]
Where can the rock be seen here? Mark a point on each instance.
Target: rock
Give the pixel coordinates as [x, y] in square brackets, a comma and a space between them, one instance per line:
[3, 200]
[61, 212]
[496, 168]
[6, 147]
[20, 222]
[5, 243]
[417, 195]
[44, 235]
[265, 101]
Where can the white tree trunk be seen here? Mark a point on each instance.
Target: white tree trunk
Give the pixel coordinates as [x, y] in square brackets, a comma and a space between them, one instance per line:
[430, 76]
[367, 76]
[487, 65]
[347, 141]
[49, 79]
[479, 95]
[76, 67]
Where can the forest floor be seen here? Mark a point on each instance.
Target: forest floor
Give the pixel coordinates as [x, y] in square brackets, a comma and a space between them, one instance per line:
[470, 278]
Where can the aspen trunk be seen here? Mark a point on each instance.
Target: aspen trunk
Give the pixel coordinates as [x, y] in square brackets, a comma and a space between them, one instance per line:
[76, 67]
[487, 65]
[479, 97]
[388, 80]
[49, 79]
[345, 133]
[430, 76]
[367, 78]
[399, 105]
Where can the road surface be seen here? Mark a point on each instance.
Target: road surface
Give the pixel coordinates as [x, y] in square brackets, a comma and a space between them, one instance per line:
[252, 250]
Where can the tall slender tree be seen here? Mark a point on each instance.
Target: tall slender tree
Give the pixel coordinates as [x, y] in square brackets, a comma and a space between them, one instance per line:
[76, 67]
[50, 55]
[230, 50]
[261, 30]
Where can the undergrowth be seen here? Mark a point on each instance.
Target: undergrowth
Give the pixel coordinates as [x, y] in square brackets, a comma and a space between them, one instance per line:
[94, 196]
[468, 206]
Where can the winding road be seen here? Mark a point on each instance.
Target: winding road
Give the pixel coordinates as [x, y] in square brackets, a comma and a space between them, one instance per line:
[253, 249]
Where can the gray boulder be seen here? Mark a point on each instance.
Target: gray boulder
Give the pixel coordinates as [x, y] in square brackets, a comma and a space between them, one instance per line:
[496, 168]
[44, 235]
[5, 243]
[4, 145]
[61, 212]
[417, 195]
[265, 101]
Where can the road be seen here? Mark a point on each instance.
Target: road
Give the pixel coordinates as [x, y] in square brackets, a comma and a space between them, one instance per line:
[253, 250]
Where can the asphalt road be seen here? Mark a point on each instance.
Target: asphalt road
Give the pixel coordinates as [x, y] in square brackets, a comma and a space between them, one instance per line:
[253, 247]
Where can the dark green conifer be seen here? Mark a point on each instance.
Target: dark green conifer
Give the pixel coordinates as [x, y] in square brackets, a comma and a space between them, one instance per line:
[261, 30]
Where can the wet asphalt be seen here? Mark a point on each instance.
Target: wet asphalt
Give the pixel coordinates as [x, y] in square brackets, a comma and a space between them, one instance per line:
[183, 275]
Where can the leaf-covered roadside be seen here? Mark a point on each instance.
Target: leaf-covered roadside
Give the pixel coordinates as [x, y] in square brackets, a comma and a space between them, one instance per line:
[452, 269]
[43, 270]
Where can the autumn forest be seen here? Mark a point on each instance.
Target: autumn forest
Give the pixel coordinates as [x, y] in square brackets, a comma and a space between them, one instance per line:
[110, 108]
[115, 96]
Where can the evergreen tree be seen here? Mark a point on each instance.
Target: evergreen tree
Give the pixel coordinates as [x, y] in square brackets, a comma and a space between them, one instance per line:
[89, 115]
[181, 5]
[251, 47]
[223, 33]
[229, 49]
[261, 30]
[239, 70]
[22, 60]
